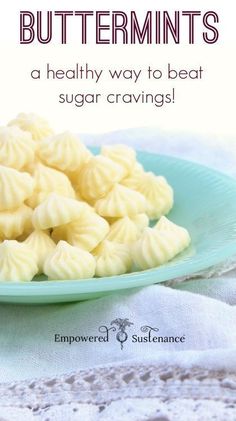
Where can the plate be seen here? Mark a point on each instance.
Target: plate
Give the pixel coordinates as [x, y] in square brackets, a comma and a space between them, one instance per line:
[205, 203]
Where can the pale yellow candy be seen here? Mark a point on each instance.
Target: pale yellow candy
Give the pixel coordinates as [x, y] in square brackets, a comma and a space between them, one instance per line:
[181, 233]
[156, 247]
[14, 222]
[59, 233]
[138, 168]
[74, 176]
[141, 220]
[17, 148]
[124, 231]
[15, 188]
[87, 231]
[87, 206]
[63, 151]
[41, 243]
[32, 123]
[27, 231]
[17, 262]
[37, 198]
[122, 155]
[134, 178]
[121, 201]
[49, 180]
[112, 259]
[78, 196]
[111, 220]
[69, 262]
[56, 210]
[158, 193]
[98, 176]
[31, 166]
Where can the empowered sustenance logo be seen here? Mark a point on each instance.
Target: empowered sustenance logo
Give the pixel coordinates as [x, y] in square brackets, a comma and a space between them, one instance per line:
[123, 331]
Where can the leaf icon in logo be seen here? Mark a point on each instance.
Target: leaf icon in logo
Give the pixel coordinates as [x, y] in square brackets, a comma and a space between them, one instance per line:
[121, 335]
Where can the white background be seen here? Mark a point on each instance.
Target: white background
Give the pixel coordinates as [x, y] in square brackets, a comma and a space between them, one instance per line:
[204, 107]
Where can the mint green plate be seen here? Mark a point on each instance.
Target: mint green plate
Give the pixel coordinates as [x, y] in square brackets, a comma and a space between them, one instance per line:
[205, 203]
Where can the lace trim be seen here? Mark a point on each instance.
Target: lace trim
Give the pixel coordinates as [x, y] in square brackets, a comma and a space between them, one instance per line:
[104, 385]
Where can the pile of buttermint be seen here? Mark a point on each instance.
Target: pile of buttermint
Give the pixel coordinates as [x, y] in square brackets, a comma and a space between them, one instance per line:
[70, 214]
